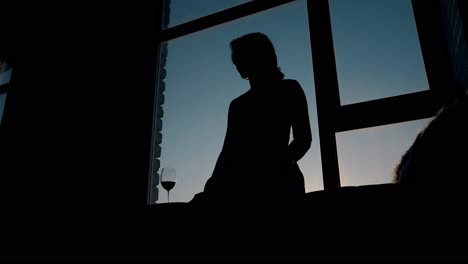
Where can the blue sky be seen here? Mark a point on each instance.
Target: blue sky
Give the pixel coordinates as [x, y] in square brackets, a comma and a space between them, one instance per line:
[377, 55]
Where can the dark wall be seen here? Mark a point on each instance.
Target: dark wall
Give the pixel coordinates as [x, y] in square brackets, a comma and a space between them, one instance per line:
[463, 8]
[455, 24]
[75, 136]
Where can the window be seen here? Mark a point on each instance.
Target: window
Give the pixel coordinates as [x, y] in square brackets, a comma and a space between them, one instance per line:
[5, 74]
[369, 75]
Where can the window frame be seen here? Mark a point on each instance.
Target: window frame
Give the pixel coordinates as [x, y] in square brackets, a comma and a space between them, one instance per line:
[332, 116]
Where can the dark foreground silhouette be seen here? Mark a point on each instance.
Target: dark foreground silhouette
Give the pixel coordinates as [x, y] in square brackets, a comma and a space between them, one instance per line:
[409, 220]
[421, 217]
[257, 163]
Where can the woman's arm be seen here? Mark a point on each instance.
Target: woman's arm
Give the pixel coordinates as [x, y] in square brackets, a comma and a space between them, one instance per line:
[302, 136]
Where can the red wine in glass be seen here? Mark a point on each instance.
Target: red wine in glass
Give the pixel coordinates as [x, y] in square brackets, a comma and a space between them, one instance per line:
[168, 185]
[168, 180]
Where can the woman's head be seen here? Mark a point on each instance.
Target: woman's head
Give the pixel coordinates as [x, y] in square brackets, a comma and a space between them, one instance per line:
[254, 56]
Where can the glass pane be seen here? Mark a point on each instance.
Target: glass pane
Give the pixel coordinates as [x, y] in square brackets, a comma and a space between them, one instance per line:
[4, 78]
[2, 105]
[182, 11]
[377, 49]
[201, 81]
[368, 156]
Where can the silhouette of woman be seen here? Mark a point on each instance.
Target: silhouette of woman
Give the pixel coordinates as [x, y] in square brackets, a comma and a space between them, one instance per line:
[257, 163]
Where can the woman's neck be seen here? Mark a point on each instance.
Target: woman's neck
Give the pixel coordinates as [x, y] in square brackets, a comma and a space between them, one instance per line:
[260, 82]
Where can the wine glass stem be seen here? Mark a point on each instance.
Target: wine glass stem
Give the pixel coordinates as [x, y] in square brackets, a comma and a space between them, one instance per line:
[168, 196]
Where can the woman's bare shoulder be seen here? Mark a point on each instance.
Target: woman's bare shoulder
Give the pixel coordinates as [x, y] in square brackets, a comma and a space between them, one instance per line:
[291, 82]
[236, 102]
[293, 87]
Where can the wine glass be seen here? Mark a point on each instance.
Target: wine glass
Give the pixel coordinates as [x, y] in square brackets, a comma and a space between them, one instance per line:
[168, 179]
